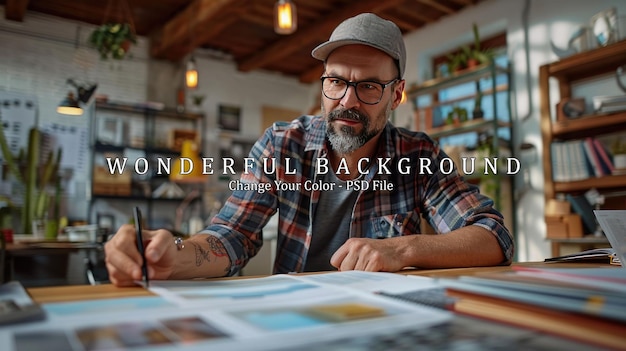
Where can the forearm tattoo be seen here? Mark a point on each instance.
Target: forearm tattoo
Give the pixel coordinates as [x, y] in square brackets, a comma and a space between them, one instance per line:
[216, 246]
[201, 254]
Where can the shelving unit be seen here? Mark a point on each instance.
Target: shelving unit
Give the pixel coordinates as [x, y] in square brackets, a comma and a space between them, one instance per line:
[145, 131]
[489, 124]
[578, 69]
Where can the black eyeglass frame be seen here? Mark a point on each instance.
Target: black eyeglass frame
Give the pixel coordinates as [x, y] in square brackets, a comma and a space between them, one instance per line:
[354, 84]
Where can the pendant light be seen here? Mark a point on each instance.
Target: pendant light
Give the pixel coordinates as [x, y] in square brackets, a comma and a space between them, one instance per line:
[191, 75]
[285, 17]
[69, 106]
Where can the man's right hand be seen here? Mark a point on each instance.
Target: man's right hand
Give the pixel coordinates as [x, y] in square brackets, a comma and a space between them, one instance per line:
[123, 260]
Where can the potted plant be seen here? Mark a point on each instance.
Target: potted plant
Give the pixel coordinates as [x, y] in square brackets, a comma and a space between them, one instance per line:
[478, 54]
[457, 116]
[471, 58]
[41, 182]
[457, 61]
[197, 102]
[113, 40]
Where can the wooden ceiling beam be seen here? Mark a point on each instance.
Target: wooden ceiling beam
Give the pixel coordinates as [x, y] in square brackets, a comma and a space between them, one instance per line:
[421, 18]
[259, 20]
[15, 10]
[308, 35]
[406, 26]
[464, 2]
[201, 20]
[312, 75]
[438, 6]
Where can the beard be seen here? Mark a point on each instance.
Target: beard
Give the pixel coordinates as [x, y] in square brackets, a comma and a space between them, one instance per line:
[345, 139]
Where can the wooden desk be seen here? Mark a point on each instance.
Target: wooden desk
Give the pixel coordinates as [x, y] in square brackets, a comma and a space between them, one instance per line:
[457, 272]
[88, 292]
[84, 292]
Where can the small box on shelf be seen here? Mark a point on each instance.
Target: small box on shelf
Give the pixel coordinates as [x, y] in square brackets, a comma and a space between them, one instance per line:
[105, 183]
[178, 136]
[574, 225]
[564, 226]
[556, 228]
[556, 207]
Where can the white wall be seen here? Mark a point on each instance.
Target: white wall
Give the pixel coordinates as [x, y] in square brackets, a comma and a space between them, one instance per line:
[554, 20]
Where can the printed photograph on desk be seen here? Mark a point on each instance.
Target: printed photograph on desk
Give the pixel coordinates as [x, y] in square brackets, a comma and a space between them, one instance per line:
[81, 309]
[219, 293]
[329, 313]
[172, 332]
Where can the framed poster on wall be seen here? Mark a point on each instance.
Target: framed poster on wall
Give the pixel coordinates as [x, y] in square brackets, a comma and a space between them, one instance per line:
[229, 117]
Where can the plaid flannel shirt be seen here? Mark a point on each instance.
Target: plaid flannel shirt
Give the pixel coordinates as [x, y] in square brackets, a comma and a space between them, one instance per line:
[446, 201]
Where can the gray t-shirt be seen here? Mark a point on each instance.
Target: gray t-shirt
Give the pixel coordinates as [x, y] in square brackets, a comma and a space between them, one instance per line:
[331, 224]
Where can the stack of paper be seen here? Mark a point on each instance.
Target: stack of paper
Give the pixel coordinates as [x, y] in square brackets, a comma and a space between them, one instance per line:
[571, 302]
[281, 311]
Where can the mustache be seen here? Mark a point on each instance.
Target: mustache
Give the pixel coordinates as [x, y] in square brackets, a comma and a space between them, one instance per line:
[348, 114]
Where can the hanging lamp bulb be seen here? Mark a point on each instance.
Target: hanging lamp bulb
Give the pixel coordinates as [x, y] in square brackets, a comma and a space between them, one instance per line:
[69, 106]
[285, 17]
[191, 75]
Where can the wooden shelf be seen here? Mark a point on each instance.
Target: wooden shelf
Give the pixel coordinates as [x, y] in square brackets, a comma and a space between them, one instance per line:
[147, 108]
[589, 63]
[583, 126]
[500, 88]
[151, 115]
[589, 239]
[465, 127]
[608, 182]
[102, 147]
[577, 68]
[464, 76]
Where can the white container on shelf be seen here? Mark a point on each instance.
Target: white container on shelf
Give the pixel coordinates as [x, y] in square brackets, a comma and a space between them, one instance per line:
[82, 233]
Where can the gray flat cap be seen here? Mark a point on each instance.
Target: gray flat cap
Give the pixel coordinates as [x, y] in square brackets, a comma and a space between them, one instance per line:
[366, 29]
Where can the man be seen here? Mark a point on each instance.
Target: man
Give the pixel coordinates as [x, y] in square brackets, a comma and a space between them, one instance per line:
[347, 186]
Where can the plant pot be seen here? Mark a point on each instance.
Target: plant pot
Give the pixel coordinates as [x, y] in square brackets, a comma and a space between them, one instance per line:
[52, 229]
[472, 63]
[478, 114]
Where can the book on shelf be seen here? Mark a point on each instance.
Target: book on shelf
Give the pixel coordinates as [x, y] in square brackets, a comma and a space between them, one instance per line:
[593, 157]
[605, 157]
[582, 207]
[580, 159]
[569, 162]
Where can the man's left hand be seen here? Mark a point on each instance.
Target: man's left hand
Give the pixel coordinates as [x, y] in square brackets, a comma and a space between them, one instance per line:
[364, 254]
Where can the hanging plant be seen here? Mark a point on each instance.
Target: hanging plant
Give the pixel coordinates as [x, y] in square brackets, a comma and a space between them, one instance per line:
[113, 40]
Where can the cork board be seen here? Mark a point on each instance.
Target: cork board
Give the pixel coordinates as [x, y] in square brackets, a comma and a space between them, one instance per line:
[271, 114]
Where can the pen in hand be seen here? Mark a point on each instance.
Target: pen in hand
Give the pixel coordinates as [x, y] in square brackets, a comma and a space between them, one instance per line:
[140, 248]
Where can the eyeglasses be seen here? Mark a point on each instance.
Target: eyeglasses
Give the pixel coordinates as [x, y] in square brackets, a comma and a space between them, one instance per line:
[367, 91]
